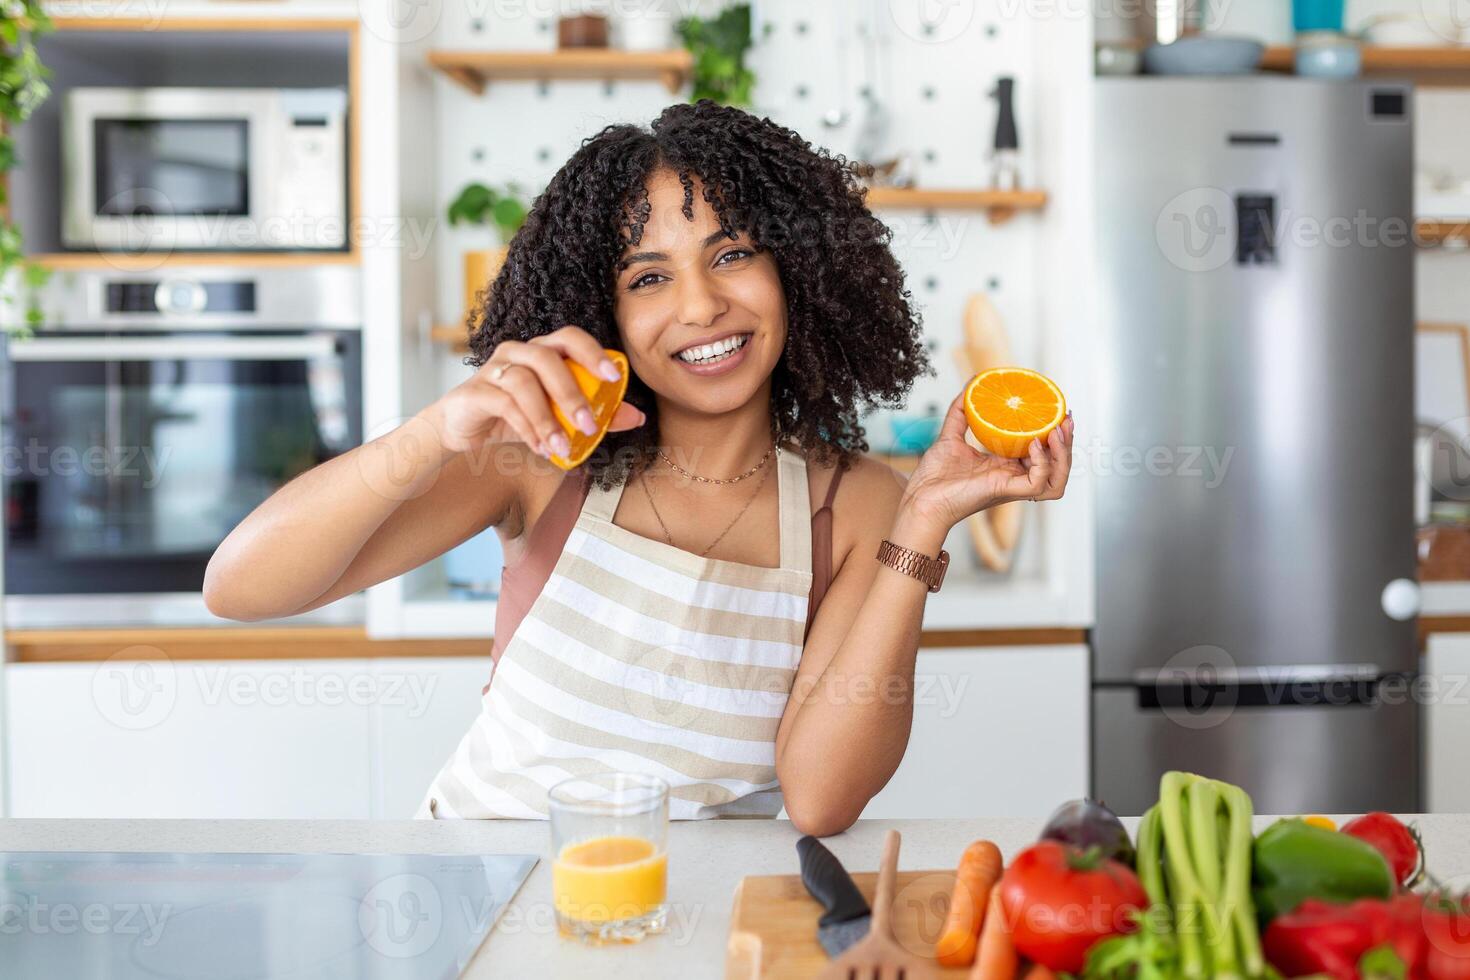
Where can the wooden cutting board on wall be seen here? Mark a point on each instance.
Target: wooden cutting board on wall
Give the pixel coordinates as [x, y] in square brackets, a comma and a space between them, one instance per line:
[773, 925]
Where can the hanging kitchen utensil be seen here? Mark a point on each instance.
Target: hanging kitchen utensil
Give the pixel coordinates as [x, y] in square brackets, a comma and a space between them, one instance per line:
[1005, 172]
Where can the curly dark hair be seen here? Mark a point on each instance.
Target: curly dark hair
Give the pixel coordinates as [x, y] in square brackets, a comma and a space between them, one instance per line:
[853, 338]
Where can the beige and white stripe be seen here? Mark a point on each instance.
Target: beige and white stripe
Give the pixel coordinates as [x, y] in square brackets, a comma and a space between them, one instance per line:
[640, 657]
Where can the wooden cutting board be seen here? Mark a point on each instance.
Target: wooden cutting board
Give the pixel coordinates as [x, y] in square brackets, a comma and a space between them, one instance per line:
[773, 925]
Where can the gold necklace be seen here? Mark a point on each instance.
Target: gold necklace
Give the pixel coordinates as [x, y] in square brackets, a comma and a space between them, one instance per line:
[643, 480]
[709, 479]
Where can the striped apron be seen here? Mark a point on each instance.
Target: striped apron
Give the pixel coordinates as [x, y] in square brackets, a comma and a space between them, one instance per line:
[640, 657]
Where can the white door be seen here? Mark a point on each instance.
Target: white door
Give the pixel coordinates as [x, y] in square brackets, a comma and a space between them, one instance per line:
[998, 731]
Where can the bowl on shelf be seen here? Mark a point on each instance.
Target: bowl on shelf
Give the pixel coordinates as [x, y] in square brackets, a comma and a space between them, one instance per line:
[912, 434]
[1327, 54]
[1204, 54]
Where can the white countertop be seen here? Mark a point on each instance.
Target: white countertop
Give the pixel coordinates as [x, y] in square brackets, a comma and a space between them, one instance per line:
[706, 861]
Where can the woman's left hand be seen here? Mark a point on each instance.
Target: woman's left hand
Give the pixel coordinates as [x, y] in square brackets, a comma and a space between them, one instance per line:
[954, 480]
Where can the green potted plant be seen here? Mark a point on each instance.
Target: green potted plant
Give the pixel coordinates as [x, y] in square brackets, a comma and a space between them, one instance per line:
[22, 88]
[478, 204]
[719, 45]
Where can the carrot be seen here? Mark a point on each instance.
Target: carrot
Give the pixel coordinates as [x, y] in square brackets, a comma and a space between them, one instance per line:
[980, 868]
[1035, 971]
[995, 959]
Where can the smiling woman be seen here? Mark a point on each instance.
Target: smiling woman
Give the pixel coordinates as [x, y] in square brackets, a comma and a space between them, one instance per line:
[750, 641]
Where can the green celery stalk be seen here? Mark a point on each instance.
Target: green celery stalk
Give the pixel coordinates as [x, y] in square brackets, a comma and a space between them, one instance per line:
[1237, 900]
[1151, 857]
[1184, 885]
[1205, 855]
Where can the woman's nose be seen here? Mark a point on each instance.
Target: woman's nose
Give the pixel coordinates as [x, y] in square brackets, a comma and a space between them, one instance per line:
[699, 300]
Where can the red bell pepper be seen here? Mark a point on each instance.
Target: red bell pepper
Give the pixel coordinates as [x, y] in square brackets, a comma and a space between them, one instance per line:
[1447, 932]
[1318, 937]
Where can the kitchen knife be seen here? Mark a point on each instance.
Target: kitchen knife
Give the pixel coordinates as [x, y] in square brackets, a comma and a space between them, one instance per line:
[847, 917]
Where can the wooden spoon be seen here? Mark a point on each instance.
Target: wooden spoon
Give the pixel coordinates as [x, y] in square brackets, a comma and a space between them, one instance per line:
[879, 956]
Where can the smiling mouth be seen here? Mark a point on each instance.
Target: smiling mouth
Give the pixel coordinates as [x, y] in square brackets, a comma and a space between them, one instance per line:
[714, 353]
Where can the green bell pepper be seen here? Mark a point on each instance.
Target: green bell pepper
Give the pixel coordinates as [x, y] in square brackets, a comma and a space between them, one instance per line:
[1292, 861]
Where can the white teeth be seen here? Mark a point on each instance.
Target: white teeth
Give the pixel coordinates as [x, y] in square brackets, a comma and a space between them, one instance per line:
[710, 353]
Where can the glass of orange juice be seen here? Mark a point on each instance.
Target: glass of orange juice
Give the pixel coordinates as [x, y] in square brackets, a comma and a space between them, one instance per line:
[609, 869]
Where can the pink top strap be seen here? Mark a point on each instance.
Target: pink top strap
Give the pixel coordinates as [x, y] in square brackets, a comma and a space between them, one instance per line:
[522, 581]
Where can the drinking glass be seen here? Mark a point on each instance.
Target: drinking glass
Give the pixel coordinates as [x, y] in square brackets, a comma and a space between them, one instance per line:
[609, 870]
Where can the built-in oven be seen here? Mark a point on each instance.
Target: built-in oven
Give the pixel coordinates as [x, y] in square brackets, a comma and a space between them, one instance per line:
[152, 413]
[152, 169]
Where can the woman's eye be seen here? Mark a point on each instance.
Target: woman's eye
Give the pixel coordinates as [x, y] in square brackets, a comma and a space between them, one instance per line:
[738, 253]
[647, 279]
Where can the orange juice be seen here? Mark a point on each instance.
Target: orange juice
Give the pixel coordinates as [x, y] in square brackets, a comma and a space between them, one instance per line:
[607, 879]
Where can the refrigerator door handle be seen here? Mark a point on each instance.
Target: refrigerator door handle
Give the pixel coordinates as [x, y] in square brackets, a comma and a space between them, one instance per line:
[1341, 691]
[1214, 673]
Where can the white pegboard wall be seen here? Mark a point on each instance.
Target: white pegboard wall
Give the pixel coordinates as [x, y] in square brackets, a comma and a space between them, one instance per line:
[813, 61]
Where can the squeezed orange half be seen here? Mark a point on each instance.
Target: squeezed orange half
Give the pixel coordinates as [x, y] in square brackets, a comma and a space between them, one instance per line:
[1007, 407]
[604, 397]
[606, 879]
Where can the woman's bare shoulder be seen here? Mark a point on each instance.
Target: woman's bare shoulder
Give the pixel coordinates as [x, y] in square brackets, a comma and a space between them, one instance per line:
[870, 489]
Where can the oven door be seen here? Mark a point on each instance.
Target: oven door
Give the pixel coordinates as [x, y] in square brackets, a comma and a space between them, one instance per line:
[129, 458]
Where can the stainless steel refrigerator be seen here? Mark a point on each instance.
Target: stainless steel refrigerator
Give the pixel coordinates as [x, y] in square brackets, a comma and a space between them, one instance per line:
[1253, 445]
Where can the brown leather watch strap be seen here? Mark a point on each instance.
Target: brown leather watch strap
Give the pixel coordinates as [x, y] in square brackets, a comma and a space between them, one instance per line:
[915, 564]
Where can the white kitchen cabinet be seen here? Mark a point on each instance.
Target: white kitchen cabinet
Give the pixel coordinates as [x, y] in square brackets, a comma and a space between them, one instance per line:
[998, 731]
[1446, 722]
[413, 736]
[266, 739]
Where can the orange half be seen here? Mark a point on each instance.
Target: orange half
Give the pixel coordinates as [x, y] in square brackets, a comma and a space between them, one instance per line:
[1007, 407]
[604, 397]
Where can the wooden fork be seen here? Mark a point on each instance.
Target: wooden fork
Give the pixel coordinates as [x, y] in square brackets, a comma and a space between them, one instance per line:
[878, 956]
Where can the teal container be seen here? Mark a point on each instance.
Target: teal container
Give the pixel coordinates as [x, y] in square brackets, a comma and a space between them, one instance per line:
[1316, 15]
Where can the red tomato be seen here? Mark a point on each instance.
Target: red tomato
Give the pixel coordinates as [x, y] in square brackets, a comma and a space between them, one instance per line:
[1398, 844]
[1059, 900]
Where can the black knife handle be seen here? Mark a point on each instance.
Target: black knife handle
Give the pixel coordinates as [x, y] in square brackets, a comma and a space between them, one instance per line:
[829, 883]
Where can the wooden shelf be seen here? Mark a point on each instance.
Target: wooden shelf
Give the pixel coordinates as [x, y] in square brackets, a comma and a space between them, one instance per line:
[131, 262]
[476, 69]
[455, 335]
[1430, 65]
[1001, 205]
[1429, 233]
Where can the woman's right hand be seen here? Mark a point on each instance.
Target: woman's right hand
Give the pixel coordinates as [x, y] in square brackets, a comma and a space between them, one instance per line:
[510, 396]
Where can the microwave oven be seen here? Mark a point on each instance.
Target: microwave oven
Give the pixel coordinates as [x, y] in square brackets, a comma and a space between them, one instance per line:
[232, 169]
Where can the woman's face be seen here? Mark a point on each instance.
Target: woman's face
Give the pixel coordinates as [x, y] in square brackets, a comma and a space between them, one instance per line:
[702, 316]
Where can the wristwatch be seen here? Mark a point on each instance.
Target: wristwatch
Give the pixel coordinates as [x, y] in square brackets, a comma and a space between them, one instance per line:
[915, 564]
